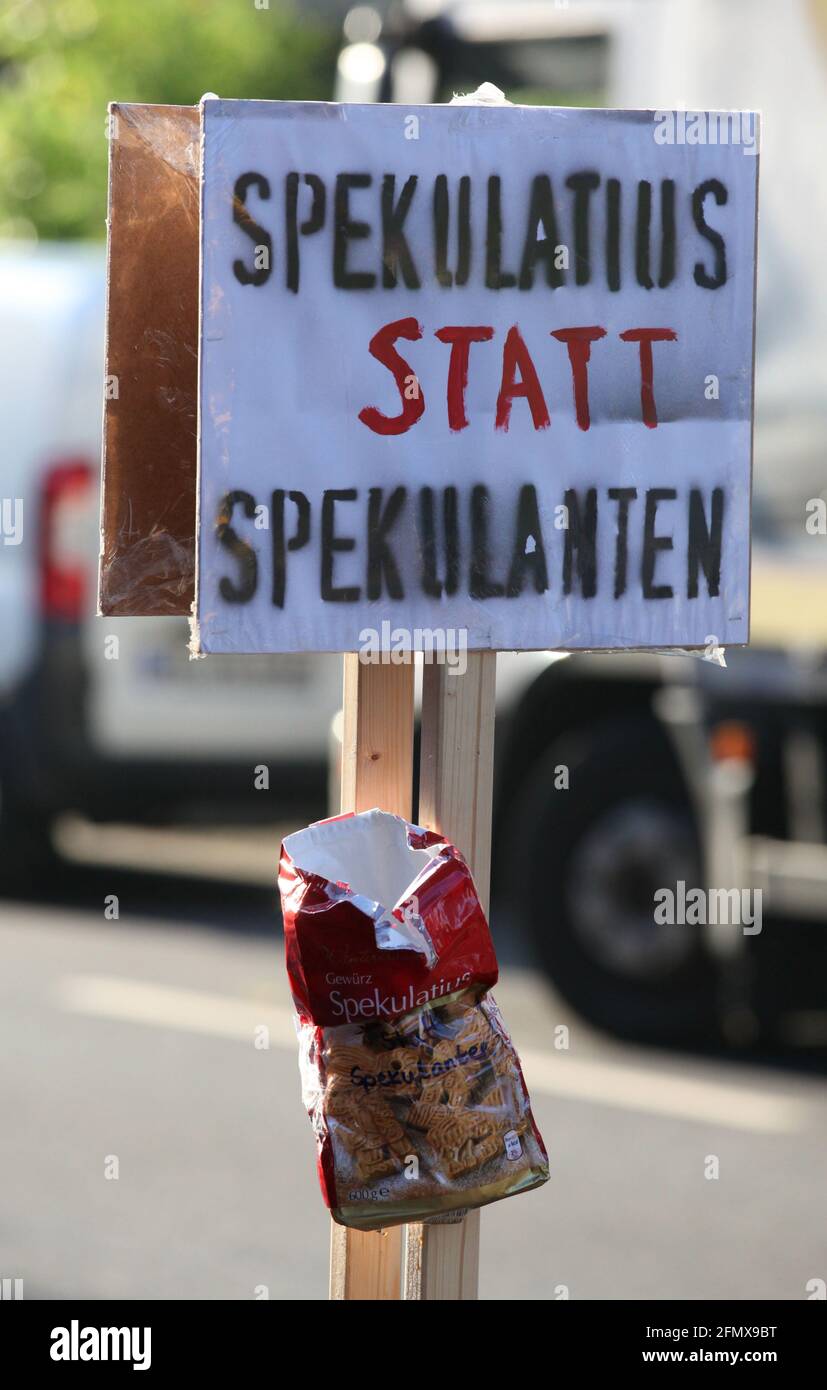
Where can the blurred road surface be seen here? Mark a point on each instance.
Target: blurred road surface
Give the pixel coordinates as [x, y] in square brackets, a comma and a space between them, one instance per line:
[139, 1039]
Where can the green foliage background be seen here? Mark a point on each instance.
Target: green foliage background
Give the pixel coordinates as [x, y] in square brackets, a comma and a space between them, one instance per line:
[62, 61]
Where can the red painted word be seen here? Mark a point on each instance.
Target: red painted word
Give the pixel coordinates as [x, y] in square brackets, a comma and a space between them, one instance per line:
[519, 375]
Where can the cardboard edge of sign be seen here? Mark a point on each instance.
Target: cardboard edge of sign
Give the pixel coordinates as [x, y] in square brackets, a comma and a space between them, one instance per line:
[150, 463]
[147, 522]
[758, 132]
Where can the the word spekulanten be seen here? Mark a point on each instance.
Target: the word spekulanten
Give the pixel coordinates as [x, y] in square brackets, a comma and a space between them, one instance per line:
[358, 535]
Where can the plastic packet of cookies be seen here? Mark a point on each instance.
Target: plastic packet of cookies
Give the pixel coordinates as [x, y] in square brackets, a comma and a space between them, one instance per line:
[413, 1086]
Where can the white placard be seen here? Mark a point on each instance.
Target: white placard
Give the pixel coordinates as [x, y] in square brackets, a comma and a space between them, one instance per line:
[478, 370]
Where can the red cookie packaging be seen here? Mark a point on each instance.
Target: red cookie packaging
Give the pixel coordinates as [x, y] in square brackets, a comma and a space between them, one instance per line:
[412, 1083]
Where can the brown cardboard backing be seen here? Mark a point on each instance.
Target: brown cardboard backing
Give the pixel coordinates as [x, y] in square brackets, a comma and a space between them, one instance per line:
[147, 560]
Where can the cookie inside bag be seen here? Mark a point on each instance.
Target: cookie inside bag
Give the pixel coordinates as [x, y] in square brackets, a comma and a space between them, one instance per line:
[424, 1115]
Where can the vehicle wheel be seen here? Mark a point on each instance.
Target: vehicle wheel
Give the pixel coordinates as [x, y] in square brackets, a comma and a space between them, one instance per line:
[588, 859]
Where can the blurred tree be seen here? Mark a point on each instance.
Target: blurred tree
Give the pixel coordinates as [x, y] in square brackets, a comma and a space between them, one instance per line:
[62, 61]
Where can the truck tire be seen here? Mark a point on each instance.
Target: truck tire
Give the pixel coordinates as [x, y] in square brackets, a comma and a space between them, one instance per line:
[587, 860]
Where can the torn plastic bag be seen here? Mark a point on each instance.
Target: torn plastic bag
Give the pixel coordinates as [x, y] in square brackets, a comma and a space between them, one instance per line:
[413, 1086]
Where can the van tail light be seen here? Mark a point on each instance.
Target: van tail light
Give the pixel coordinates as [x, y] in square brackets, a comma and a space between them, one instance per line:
[66, 562]
[733, 741]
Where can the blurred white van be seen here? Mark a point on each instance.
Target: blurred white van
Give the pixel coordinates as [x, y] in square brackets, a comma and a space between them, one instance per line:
[131, 729]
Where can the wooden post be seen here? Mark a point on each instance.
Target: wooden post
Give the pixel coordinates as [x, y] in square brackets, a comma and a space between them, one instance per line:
[377, 770]
[455, 797]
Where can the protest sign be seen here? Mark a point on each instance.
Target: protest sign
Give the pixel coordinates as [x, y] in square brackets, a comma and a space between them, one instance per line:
[469, 368]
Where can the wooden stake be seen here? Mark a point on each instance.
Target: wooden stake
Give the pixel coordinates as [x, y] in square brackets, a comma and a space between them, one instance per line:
[455, 797]
[377, 770]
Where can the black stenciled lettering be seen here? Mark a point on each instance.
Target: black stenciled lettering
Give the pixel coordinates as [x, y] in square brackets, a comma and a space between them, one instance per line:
[653, 544]
[464, 231]
[257, 234]
[243, 553]
[643, 232]
[613, 234]
[396, 254]
[581, 542]
[525, 558]
[294, 228]
[540, 247]
[623, 496]
[699, 196]
[431, 583]
[668, 237]
[345, 231]
[442, 221]
[582, 185]
[495, 277]
[441, 213]
[332, 545]
[382, 567]
[481, 586]
[282, 543]
[705, 541]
